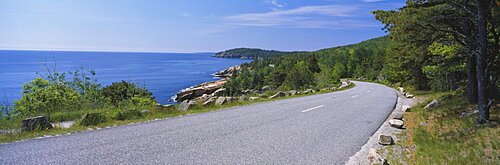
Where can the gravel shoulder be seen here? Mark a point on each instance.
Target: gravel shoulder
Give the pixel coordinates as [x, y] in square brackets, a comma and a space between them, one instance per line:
[361, 157]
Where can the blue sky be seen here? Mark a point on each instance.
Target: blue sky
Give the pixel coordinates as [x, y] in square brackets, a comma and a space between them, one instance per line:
[187, 25]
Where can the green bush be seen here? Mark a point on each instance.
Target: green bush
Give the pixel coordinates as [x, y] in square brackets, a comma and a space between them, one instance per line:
[42, 96]
[124, 91]
[92, 119]
[128, 114]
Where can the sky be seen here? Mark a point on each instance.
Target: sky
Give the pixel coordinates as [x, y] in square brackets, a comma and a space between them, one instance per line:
[187, 25]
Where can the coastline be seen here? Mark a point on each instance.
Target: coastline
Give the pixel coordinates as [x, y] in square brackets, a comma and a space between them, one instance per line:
[207, 88]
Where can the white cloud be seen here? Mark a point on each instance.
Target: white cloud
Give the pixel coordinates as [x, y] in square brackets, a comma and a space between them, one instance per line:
[329, 16]
[276, 4]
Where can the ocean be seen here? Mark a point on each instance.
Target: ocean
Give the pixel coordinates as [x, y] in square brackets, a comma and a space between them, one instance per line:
[164, 74]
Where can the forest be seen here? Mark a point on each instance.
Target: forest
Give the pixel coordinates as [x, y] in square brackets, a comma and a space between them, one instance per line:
[436, 45]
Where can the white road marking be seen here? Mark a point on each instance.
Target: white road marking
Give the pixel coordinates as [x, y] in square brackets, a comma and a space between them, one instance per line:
[354, 96]
[313, 108]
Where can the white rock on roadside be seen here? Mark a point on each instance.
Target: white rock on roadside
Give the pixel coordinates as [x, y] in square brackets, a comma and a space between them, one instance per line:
[396, 123]
[405, 108]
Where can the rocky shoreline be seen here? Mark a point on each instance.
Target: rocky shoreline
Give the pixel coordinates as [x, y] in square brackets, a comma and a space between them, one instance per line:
[208, 88]
[213, 92]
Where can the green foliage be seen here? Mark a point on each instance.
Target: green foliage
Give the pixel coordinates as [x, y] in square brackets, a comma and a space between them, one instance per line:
[128, 114]
[249, 53]
[119, 92]
[319, 69]
[92, 119]
[42, 96]
[446, 69]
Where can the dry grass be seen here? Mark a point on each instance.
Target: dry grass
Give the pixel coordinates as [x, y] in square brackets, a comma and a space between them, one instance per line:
[441, 136]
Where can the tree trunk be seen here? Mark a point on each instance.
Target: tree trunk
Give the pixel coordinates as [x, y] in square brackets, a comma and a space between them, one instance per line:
[472, 78]
[482, 75]
[471, 64]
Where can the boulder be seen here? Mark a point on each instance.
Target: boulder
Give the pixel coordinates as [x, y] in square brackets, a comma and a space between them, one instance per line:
[266, 88]
[219, 92]
[432, 104]
[209, 102]
[398, 116]
[384, 139]
[409, 95]
[221, 101]
[185, 105]
[405, 108]
[333, 88]
[401, 90]
[375, 158]
[253, 98]
[242, 98]
[36, 123]
[278, 94]
[308, 91]
[292, 92]
[396, 123]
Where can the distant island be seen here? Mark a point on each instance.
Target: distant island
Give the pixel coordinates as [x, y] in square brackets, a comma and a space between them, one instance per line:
[250, 53]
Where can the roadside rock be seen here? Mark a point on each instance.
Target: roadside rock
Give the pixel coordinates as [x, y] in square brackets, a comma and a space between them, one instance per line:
[292, 92]
[405, 108]
[409, 95]
[396, 123]
[186, 104]
[375, 158]
[401, 90]
[398, 116]
[308, 91]
[345, 83]
[266, 88]
[242, 98]
[253, 98]
[36, 123]
[209, 102]
[278, 94]
[432, 104]
[384, 139]
[221, 101]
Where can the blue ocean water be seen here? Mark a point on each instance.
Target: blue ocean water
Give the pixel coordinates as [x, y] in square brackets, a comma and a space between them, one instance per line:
[164, 74]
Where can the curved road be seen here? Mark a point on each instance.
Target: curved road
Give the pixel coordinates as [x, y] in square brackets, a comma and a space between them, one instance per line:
[319, 129]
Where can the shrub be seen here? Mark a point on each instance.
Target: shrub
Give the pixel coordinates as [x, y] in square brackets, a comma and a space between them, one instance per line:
[123, 91]
[128, 114]
[42, 96]
[92, 119]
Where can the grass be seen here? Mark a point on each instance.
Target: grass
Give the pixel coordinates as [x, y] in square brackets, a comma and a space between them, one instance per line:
[440, 136]
[153, 114]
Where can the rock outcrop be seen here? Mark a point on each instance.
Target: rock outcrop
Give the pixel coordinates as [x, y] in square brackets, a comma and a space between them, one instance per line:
[200, 90]
[229, 72]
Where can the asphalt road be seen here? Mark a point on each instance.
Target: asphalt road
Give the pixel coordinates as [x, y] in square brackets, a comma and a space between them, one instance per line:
[320, 129]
